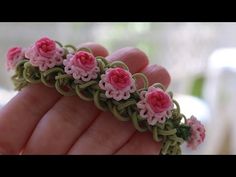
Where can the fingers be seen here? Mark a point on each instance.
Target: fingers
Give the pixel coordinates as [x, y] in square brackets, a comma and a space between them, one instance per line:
[107, 134]
[70, 117]
[61, 126]
[140, 144]
[20, 116]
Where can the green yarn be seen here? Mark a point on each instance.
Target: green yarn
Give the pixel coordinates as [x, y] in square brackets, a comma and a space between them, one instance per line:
[118, 115]
[18, 78]
[65, 84]
[102, 63]
[136, 123]
[31, 74]
[156, 136]
[99, 102]
[48, 77]
[85, 49]
[84, 95]
[144, 78]
[58, 43]
[159, 85]
[183, 131]
[87, 84]
[170, 134]
[118, 63]
[69, 46]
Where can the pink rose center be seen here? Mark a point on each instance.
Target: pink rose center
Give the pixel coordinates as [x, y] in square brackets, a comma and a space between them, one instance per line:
[13, 53]
[46, 47]
[119, 78]
[85, 60]
[159, 101]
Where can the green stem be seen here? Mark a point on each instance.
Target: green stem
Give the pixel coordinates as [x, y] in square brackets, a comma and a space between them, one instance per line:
[167, 132]
[48, 77]
[63, 76]
[144, 78]
[165, 147]
[87, 84]
[175, 138]
[185, 119]
[81, 95]
[126, 104]
[71, 47]
[102, 59]
[177, 106]
[155, 134]
[58, 43]
[85, 49]
[61, 91]
[118, 116]
[136, 123]
[97, 101]
[30, 72]
[159, 85]
[119, 63]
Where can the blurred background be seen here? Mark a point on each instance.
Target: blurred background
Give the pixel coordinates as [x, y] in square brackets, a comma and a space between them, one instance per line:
[201, 59]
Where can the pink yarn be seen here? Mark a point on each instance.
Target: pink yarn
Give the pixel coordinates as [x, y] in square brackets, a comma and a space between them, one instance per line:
[14, 55]
[118, 83]
[155, 105]
[82, 66]
[44, 54]
[197, 132]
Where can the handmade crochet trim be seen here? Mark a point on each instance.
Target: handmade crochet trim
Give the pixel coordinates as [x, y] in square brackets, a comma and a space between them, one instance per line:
[110, 86]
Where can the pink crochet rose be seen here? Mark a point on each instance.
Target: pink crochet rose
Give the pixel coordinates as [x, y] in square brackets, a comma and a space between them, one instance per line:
[155, 105]
[82, 66]
[44, 54]
[14, 55]
[197, 132]
[118, 83]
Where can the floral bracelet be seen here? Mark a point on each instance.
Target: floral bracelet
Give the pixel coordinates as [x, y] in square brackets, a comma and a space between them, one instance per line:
[110, 86]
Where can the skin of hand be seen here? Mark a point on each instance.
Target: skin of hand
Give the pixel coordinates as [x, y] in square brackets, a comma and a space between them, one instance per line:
[38, 120]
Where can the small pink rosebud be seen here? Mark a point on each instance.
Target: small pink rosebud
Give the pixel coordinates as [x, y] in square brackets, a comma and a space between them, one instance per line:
[197, 132]
[14, 55]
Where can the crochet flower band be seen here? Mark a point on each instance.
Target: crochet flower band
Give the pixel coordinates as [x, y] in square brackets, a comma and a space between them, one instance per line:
[111, 86]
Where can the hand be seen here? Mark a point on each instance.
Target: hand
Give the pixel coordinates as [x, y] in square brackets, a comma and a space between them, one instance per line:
[38, 120]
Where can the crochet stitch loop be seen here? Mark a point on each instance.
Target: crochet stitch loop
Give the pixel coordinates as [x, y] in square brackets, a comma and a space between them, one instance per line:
[172, 132]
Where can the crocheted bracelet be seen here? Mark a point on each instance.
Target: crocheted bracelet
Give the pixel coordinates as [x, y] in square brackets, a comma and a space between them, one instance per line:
[111, 86]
